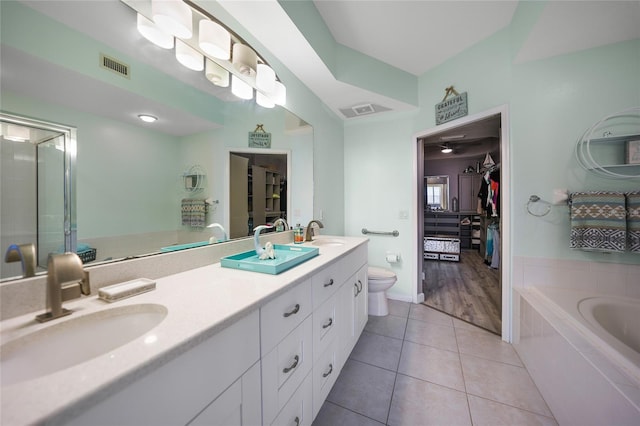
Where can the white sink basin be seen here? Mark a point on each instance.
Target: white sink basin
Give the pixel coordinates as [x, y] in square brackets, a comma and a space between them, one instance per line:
[331, 242]
[69, 343]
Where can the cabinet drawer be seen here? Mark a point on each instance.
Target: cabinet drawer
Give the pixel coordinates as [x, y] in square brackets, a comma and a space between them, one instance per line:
[325, 372]
[284, 368]
[326, 323]
[326, 282]
[283, 314]
[299, 409]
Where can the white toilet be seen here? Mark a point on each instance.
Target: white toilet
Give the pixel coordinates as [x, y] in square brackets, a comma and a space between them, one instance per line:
[380, 280]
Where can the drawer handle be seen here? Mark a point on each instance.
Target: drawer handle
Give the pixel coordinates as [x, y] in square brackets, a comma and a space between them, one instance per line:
[327, 325]
[292, 366]
[328, 372]
[295, 310]
[329, 283]
[360, 288]
[356, 291]
[297, 421]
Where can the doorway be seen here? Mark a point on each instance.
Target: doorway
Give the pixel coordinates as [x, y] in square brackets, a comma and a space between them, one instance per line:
[462, 270]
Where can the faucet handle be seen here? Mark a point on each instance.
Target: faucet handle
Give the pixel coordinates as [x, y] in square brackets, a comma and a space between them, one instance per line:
[85, 284]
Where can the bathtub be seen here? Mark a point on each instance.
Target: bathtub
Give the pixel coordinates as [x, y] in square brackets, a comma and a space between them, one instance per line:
[582, 351]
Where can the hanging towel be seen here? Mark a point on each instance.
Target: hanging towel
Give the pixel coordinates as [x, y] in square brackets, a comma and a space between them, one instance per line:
[598, 221]
[194, 212]
[633, 222]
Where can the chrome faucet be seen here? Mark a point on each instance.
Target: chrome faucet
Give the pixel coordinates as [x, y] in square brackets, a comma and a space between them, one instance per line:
[66, 280]
[283, 222]
[309, 234]
[26, 254]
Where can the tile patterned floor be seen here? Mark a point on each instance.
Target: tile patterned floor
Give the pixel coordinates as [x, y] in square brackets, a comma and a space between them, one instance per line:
[419, 366]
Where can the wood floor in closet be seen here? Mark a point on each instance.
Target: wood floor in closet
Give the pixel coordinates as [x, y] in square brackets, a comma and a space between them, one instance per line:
[468, 290]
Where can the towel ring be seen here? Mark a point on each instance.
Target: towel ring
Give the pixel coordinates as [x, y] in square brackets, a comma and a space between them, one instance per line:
[534, 200]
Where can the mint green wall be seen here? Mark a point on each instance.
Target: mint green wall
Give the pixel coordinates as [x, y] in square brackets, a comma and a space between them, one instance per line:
[551, 102]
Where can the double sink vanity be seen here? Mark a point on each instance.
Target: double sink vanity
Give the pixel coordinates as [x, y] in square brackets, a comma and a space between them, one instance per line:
[210, 345]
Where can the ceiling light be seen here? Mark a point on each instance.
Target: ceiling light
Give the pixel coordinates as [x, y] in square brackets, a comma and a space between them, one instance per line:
[280, 94]
[214, 39]
[446, 149]
[216, 74]
[240, 88]
[244, 59]
[188, 56]
[265, 79]
[173, 16]
[153, 33]
[147, 118]
[264, 101]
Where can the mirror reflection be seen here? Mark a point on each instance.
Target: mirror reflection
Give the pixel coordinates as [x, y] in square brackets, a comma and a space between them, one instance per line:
[437, 192]
[132, 176]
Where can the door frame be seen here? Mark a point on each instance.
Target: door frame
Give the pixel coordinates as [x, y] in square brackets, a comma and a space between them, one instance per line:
[505, 195]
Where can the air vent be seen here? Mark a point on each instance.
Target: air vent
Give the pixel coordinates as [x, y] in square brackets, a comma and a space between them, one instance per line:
[114, 65]
[364, 109]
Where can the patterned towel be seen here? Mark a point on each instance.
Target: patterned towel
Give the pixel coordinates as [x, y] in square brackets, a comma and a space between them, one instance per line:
[194, 212]
[598, 221]
[633, 221]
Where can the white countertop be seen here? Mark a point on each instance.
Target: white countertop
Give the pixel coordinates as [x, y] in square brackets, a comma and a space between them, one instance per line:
[200, 303]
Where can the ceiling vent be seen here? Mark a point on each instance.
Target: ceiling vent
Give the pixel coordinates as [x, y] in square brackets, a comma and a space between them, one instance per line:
[114, 65]
[364, 109]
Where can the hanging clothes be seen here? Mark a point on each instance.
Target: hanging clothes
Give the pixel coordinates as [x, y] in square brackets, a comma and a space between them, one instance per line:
[489, 193]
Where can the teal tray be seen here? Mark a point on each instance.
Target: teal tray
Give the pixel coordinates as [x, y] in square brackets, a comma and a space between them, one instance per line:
[184, 246]
[286, 258]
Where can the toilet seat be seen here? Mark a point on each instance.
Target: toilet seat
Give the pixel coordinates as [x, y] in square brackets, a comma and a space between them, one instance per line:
[381, 274]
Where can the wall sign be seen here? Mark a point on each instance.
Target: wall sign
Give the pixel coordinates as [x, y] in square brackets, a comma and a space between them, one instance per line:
[451, 107]
[259, 138]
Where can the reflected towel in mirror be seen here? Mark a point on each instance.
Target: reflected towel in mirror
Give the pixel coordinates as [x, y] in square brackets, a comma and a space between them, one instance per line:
[194, 212]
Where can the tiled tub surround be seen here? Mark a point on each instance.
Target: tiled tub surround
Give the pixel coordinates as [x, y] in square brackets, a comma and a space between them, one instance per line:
[582, 379]
[202, 302]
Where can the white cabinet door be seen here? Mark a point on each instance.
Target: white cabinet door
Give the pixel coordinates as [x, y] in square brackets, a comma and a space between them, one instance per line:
[326, 325]
[361, 310]
[299, 410]
[325, 372]
[239, 405]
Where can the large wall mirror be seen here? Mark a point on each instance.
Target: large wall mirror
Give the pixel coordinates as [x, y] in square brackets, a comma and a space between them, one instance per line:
[130, 181]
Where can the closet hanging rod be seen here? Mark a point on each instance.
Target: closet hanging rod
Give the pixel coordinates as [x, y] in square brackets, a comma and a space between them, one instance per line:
[366, 231]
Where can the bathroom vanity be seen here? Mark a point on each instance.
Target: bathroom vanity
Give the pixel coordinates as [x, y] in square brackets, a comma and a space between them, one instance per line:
[235, 347]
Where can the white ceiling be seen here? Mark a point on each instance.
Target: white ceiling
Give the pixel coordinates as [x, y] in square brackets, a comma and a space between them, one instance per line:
[417, 35]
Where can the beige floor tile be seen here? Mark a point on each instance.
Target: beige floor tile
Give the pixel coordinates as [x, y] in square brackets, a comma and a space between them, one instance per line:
[425, 313]
[416, 402]
[501, 382]
[364, 389]
[491, 413]
[390, 326]
[381, 351]
[432, 364]
[398, 308]
[465, 325]
[486, 345]
[432, 334]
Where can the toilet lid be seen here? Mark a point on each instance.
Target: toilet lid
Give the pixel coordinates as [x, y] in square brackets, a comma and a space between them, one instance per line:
[380, 273]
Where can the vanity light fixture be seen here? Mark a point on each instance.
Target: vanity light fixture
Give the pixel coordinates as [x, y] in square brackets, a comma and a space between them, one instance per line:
[240, 88]
[153, 33]
[214, 39]
[244, 60]
[188, 56]
[215, 73]
[265, 79]
[147, 118]
[280, 94]
[264, 100]
[446, 149]
[173, 17]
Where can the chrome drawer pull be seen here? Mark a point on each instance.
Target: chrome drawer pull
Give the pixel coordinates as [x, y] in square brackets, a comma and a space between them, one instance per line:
[297, 421]
[295, 310]
[328, 372]
[327, 325]
[329, 283]
[294, 365]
